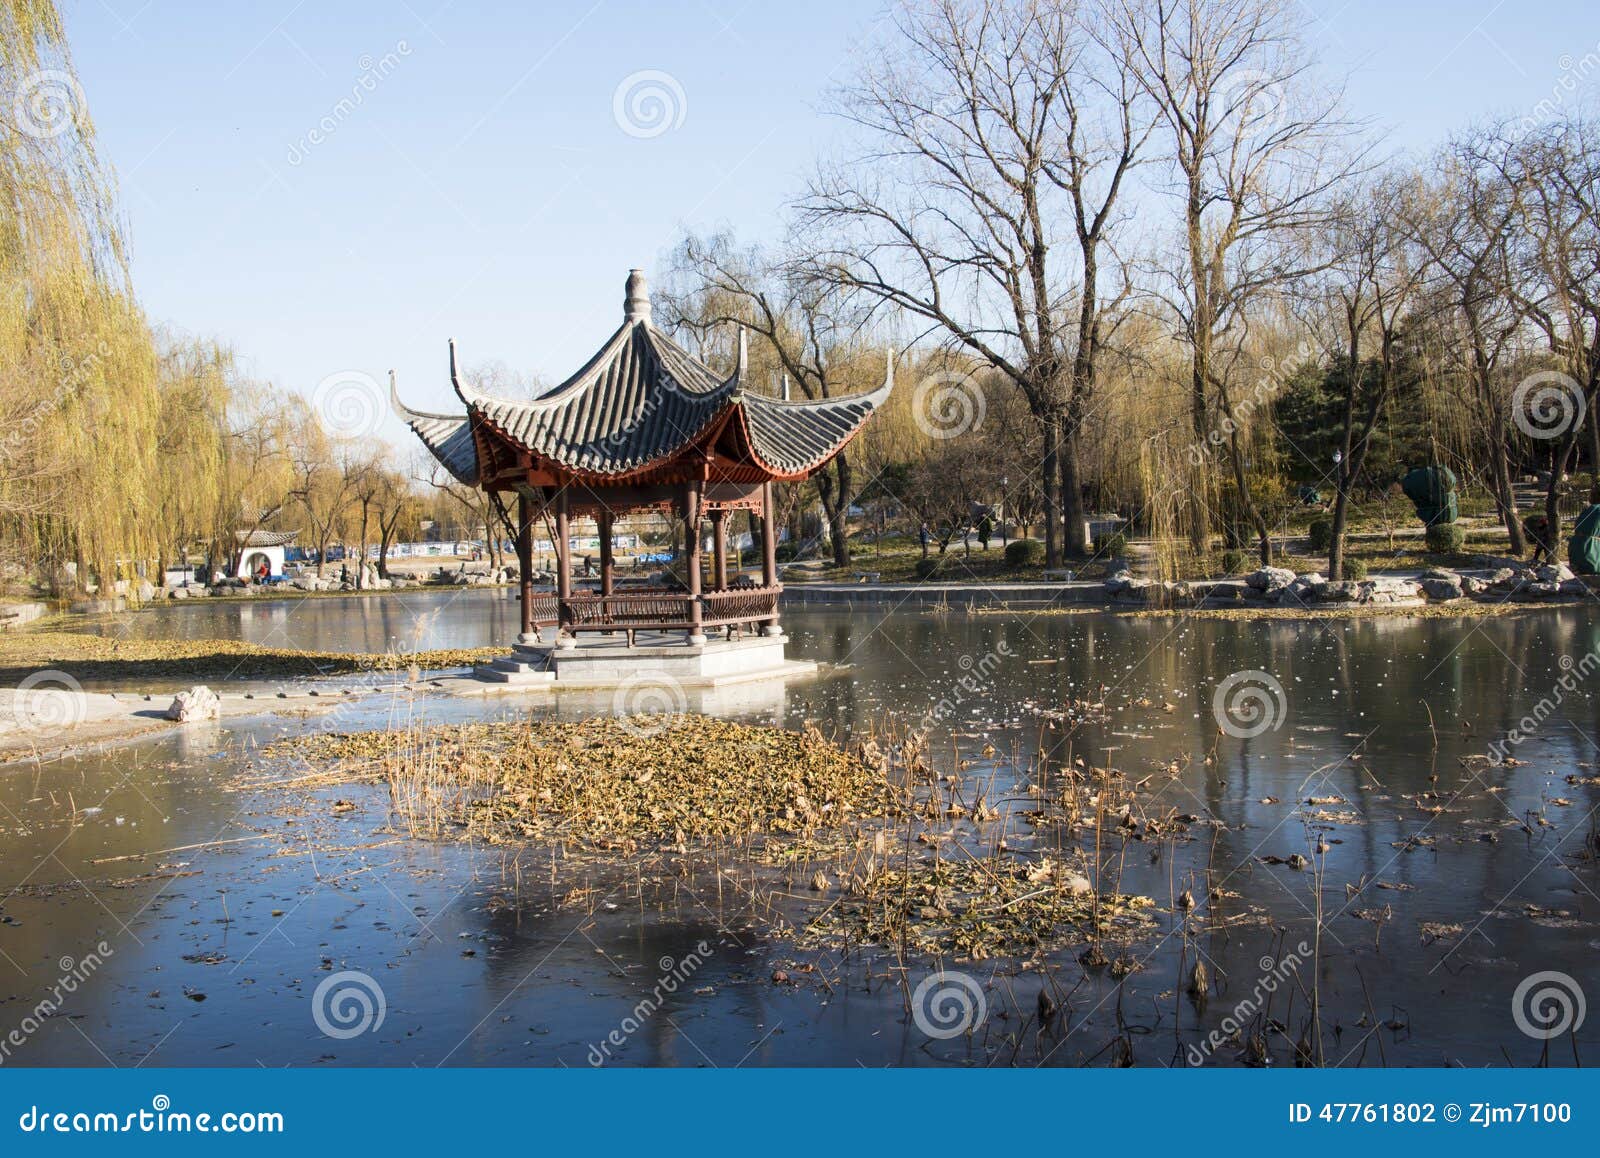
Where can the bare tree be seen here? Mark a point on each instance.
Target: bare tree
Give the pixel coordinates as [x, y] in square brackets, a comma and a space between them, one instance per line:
[1372, 277]
[999, 137]
[814, 331]
[1256, 152]
[1553, 174]
[1466, 223]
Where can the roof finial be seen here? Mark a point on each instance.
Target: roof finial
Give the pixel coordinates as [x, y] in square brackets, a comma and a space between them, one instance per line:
[784, 394]
[636, 306]
[744, 355]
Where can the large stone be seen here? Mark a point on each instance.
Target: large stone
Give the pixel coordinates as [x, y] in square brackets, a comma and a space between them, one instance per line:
[1339, 591]
[1119, 582]
[1303, 589]
[1270, 578]
[1435, 587]
[1388, 590]
[198, 703]
[1542, 590]
[1554, 573]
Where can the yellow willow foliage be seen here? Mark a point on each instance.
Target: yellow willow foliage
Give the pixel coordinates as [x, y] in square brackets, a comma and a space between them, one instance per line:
[94, 445]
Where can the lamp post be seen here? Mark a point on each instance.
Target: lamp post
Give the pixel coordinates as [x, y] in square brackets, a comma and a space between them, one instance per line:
[1000, 509]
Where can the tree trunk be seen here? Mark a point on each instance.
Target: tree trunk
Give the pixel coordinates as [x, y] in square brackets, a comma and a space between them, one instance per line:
[1050, 465]
[833, 487]
[1341, 508]
[1073, 544]
[1504, 496]
[1594, 457]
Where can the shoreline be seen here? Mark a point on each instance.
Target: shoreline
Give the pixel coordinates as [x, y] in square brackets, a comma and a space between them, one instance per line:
[105, 718]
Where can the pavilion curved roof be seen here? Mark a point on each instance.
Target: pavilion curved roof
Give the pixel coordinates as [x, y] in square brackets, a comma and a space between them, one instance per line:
[448, 436]
[639, 403]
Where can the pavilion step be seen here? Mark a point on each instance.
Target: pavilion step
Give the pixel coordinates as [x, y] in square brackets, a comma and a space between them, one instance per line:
[523, 668]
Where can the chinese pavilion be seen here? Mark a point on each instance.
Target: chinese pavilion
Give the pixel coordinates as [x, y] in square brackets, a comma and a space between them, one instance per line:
[644, 425]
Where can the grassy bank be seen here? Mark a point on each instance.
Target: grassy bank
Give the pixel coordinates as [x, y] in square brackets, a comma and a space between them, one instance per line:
[107, 660]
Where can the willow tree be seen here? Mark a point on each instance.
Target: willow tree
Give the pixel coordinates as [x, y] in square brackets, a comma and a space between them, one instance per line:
[83, 477]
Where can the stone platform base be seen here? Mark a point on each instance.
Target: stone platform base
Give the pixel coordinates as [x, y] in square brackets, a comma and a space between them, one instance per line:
[603, 661]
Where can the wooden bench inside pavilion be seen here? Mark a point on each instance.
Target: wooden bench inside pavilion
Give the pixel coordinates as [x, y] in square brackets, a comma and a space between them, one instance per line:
[643, 426]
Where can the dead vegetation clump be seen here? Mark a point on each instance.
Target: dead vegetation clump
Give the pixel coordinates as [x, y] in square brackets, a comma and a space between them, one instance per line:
[611, 782]
[973, 909]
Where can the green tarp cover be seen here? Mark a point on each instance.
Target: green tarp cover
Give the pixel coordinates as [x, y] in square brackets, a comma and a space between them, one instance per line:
[1583, 549]
[1432, 490]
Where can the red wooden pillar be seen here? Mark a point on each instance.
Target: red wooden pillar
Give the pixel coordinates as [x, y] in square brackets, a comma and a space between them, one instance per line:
[719, 539]
[529, 633]
[769, 555]
[691, 508]
[607, 579]
[564, 638]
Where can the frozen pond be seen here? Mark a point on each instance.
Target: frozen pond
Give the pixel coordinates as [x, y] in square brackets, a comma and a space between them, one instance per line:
[1444, 880]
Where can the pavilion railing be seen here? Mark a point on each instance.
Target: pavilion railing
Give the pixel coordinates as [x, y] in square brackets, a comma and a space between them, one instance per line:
[739, 605]
[546, 610]
[654, 609]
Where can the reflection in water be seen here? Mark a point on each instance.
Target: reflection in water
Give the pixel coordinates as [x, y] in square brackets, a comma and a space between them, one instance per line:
[1444, 881]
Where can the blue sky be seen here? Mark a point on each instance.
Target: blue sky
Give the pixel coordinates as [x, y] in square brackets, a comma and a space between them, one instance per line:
[482, 188]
